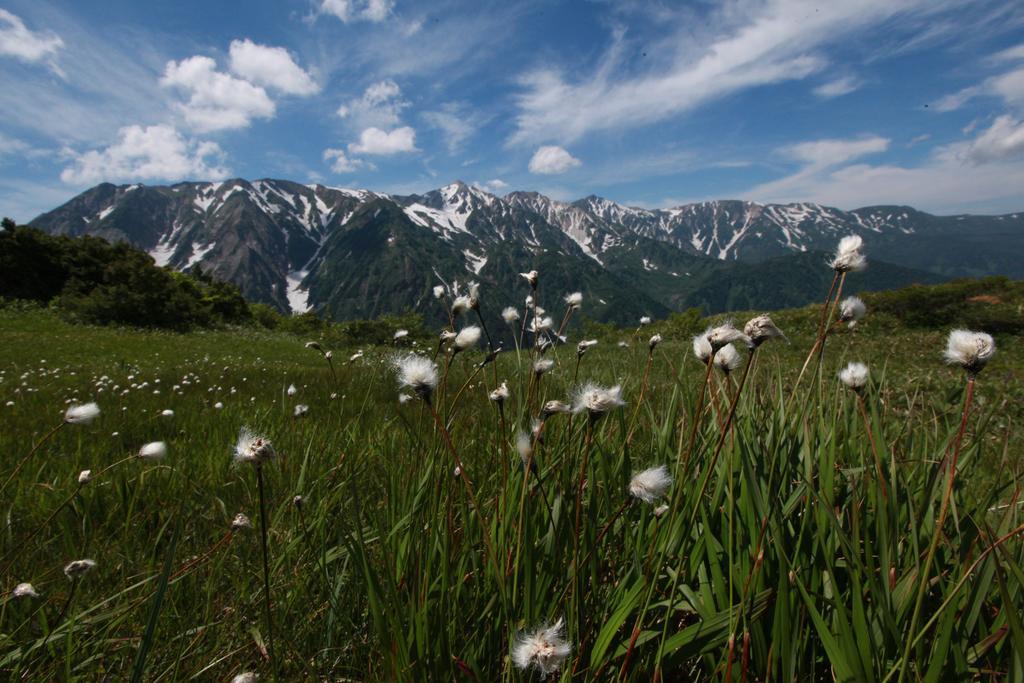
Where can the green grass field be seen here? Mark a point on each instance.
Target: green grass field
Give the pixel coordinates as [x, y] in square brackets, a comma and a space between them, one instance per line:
[794, 545]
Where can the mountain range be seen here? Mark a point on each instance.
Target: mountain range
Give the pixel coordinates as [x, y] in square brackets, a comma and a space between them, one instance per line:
[347, 253]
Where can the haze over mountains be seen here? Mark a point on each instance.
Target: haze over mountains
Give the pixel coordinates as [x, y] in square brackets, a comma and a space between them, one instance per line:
[357, 253]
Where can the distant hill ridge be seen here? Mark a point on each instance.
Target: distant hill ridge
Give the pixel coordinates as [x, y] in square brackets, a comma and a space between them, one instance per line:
[348, 253]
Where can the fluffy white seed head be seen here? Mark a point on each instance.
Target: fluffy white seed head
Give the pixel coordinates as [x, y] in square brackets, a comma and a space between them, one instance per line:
[81, 414]
[544, 649]
[970, 350]
[501, 394]
[418, 373]
[702, 347]
[726, 334]
[510, 315]
[252, 448]
[245, 677]
[241, 522]
[438, 291]
[155, 450]
[555, 407]
[650, 484]
[654, 341]
[848, 255]
[300, 410]
[292, 390]
[467, 338]
[524, 446]
[760, 329]
[854, 376]
[315, 346]
[574, 300]
[728, 359]
[24, 590]
[532, 277]
[851, 310]
[597, 400]
[543, 365]
[645, 320]
[84, 476]
[461, 305]
[541, 324]
[79, 568]
[400, 334]
[582, 347]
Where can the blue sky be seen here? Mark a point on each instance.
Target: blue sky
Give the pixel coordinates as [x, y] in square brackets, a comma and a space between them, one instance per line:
[849, 103]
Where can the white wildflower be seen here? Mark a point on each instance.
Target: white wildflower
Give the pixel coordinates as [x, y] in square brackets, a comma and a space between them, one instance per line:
[854, 376]
[524, 446]
[654, 341]
[82, 414]
[554, 407]
[79, 568]
[252, 448]
[301, 410]
[970, 350]
[24, 590]
[418, 373]
[645, 320]
[167, 413]
[726, 334]
[543, 365]
[582, 347]
[702, 347]
[848, 255]
[438, 291]
[155, 450]
[240, 522]
[574, 300]
[84, 476]
[532, 277]
[851, 310]
[245, 677]
[660, 510]
[510, 315]
[218, 405]
[760, 329]
[651, 484]
[501, 394]
[292, 390]
[400, 334]
[467, 338]
[461, 305]
[597, 400]
[546, 649]
[728, 359]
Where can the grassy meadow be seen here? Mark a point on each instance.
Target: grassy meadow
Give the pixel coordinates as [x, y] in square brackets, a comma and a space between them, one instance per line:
[799, 539]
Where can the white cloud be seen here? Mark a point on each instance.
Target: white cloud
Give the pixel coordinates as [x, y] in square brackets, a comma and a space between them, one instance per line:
[217, 100]
[358, 10]
[752, 43]
[1003, 141]
[269, 66]
[340, 163]
[830, 152]
[1008, 86]
[1010, 54]
[152, 153]
[377, 141]
[18, 41]
[455, 122]
[840, 86]
[978, 174]
[493, 186]
[380, 106]
[549, 160]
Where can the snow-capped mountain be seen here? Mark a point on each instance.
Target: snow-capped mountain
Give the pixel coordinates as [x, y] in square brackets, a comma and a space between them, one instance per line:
[347, 252]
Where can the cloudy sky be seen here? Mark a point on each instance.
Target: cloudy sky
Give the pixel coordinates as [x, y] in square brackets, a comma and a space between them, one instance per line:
[648, 103]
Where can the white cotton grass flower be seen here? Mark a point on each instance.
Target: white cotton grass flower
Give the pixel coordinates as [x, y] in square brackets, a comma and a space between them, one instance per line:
[84, 476]
[253, 448]
[970, 350]
[81, 414]
[292, 390]
[541, 324]
[218, 405]
[355, 356]
[597, 400]
[467, 338]
[728, 359]
[298, 501]
[645, 320]
[79, 568]
[155, 450]
[574, 301]
[400, 334]
[461, 305]
[167, 413]
[848, 255]
[404, 398]
[660, 510]
[851, 310]
[543, 365]
[854, 376]
[726, 334]
[554, 407]
[315, 346]
[654, 341]
[702, 347]
[416, 372]
[524, 446]
[438, 291]
[301, 410]
[760, 329]
[24, 590]
[650, 484]
[584, 345]
[446, 336]
[245, 677]
[501, 394]
[532, 277]
[623, 344]
[545, 649]
[510, 315]
[241, 522]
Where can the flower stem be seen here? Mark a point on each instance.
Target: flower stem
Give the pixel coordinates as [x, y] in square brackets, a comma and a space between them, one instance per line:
[266, 571]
